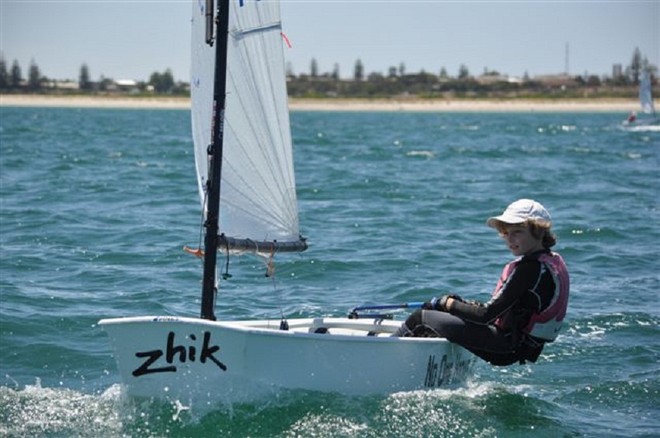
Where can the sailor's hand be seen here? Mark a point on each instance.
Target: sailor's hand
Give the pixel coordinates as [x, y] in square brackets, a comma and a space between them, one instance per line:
[445, 303]
[436, 303]
[441, 304]
[430, 305]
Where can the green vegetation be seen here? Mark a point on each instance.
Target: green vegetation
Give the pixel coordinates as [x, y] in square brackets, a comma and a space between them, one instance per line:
[12, 81]
[396, 84]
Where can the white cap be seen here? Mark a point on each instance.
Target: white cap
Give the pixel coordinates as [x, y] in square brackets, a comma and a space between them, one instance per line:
[519, 212]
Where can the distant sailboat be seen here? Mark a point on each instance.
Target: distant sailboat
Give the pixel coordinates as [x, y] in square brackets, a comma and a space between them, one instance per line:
[646, 103]
[244, 161]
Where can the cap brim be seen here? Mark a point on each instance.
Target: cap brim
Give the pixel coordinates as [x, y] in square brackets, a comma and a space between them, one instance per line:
[504, 219]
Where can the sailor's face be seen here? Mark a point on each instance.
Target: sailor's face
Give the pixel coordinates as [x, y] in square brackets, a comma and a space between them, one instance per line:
[519, 240]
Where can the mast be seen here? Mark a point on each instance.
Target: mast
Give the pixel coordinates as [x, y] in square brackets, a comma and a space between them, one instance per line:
[215, 155]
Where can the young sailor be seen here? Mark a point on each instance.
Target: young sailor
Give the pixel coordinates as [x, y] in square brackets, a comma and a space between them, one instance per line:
[528, 304]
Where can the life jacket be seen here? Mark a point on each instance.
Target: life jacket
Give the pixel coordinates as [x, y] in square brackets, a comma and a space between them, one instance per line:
[544, 326]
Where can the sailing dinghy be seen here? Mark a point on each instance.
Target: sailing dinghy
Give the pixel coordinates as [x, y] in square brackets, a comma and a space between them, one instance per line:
[246, 182]
[646, 103]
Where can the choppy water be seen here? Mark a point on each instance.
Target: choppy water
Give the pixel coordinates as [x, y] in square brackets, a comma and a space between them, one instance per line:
[96, 205]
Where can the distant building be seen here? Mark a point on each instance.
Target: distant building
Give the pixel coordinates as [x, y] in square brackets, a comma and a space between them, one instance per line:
[560, 80]
[617, 71]
[488, 79]
[126, 85]
[62, 85]
[121, 85]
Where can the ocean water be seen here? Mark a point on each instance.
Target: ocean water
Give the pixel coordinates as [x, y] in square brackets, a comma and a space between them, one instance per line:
[96, 206]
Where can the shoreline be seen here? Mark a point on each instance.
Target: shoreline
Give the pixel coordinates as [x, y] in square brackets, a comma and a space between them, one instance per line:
[296, 104]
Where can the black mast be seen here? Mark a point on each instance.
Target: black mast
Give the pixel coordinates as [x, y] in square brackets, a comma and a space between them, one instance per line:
[215, 156]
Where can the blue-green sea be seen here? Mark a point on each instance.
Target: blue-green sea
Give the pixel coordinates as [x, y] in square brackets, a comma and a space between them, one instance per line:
[96, 205]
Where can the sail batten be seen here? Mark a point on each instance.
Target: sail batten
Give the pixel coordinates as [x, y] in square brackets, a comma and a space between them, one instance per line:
[264, 28]
[257, 191]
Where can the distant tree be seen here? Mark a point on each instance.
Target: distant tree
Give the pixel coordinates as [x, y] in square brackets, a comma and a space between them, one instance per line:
[104, 83]
[391, 72]
[34, 76]
[84, 83]
[651, 69]
[155, 81]
[4, 74]
[402, 69]
[358, 74]
[463, 72]
[443, 73]
[335, 72]
[636, 66]
[592, 81]
[375, 77]
[162, 82]
[314, 68]
[16, 76]
[289, 69]
[168, 80]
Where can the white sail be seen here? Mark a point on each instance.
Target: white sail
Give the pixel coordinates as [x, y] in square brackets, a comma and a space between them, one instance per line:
[645, 95]
[257, 191]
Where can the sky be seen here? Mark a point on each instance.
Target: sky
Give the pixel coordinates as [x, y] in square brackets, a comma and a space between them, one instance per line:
[131, 39]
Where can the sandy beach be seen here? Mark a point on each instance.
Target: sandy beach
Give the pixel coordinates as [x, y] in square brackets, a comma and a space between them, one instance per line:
[425, 105]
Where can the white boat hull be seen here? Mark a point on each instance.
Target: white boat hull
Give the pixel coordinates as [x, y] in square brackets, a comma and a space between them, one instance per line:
[189, 358]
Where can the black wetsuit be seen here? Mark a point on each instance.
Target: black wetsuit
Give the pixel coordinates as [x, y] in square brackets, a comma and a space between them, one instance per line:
[494, 330]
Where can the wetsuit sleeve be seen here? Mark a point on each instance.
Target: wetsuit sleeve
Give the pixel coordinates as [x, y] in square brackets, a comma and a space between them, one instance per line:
[523, 279]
